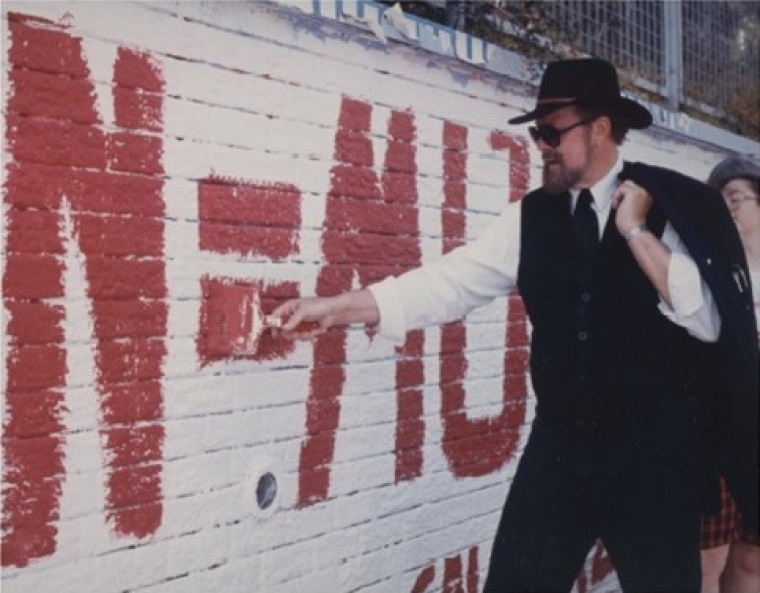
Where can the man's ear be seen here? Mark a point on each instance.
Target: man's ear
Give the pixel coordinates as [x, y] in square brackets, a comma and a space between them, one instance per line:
[602, 127]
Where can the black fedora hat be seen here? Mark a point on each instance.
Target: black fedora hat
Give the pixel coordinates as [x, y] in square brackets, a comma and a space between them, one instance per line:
[590, 82]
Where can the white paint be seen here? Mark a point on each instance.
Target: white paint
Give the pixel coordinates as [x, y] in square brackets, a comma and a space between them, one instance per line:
[83, 488]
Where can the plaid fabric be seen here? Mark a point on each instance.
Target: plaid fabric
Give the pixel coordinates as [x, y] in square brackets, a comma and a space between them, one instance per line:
[719, 528]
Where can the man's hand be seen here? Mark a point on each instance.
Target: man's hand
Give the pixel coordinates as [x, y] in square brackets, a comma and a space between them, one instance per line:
[631, 203]
[301, 319]
[308, 317]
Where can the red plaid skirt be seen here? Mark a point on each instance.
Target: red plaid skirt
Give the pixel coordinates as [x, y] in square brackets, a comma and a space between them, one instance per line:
[724, 526]
[719, 528]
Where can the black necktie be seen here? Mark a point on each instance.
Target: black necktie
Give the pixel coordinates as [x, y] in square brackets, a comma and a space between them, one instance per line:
[586, 231]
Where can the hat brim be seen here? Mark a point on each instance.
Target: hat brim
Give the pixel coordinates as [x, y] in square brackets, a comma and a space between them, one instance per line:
[636, 116]
[540, 111]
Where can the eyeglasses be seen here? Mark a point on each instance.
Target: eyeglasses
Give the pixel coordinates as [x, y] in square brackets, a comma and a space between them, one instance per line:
[552, 136]
[736, 198]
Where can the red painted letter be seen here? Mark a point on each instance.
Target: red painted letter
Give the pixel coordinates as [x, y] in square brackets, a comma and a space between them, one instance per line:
[111, 183]
[371, 230]
[481, 446]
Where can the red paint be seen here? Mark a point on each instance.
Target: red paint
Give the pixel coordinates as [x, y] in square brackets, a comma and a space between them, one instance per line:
[135, 493]
[372, 251]
[44, 48]
[119, 318]
[33, 367]
[596, 570]
[455, 580]
[226, 319]
[452, 575]
[410, 426]
[32, 414]
[44, 283]
[453, 213]
[113, 278]
[249, 218]
[135, 72]
[132, 153]
[519, 163]
[424, 580]
[472, 570]
[134, 402]
[138, 93]
[130, 361]
[40, 95]
[601, 564]
[135, 109]
[33, 231]
[50, 142]
[57, 149]
[477, 447]
[39, 186]
[361, 238]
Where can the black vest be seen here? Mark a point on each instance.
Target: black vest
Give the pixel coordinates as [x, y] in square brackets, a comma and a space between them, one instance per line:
[603, 357]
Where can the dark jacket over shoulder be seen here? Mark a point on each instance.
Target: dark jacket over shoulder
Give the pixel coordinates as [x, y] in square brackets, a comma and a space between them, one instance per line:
[699, 216]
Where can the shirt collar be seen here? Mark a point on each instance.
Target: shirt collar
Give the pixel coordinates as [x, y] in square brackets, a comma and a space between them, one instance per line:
[603, 189]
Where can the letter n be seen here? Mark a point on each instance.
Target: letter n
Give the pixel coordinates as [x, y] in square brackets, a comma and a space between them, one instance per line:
[110, 184]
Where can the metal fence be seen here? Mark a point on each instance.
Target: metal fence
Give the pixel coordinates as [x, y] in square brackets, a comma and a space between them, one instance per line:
[721, 53]
[698, 56]
[631, 34]
[704, 54]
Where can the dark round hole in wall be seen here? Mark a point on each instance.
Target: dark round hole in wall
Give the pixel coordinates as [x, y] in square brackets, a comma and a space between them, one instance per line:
[266, 490]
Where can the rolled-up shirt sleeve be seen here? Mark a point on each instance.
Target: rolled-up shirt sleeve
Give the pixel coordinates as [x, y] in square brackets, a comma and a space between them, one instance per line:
[388, 298]
[693, 305]
[451, 287]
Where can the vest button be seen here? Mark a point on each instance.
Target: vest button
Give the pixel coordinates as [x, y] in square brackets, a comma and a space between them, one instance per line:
[585, 297]
[582, 336]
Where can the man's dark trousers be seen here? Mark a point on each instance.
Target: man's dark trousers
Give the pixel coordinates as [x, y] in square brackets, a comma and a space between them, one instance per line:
[639, 494]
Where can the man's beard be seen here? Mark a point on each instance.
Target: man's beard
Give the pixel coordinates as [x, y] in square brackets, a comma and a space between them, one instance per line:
[557, 179]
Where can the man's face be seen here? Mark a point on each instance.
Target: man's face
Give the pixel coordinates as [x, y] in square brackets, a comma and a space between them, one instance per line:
[567, 165]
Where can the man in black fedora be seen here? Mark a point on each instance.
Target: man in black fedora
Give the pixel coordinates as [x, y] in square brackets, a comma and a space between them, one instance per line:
[632, 306]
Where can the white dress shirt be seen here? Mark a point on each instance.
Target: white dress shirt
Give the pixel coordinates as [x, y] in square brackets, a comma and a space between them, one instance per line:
[486, 268]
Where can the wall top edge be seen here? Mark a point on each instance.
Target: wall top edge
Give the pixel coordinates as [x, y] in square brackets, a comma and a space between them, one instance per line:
[392, 24]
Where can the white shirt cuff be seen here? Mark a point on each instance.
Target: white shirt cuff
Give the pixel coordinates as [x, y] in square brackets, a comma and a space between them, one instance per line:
[392, 324]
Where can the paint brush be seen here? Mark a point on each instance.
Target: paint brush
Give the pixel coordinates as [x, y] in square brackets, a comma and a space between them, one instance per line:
[252, 324]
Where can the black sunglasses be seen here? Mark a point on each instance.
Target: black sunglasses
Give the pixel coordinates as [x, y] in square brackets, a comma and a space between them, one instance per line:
[552, 136]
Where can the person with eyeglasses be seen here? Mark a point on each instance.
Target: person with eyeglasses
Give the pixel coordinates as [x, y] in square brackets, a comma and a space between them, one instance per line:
[625, 326]
[730, 552]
